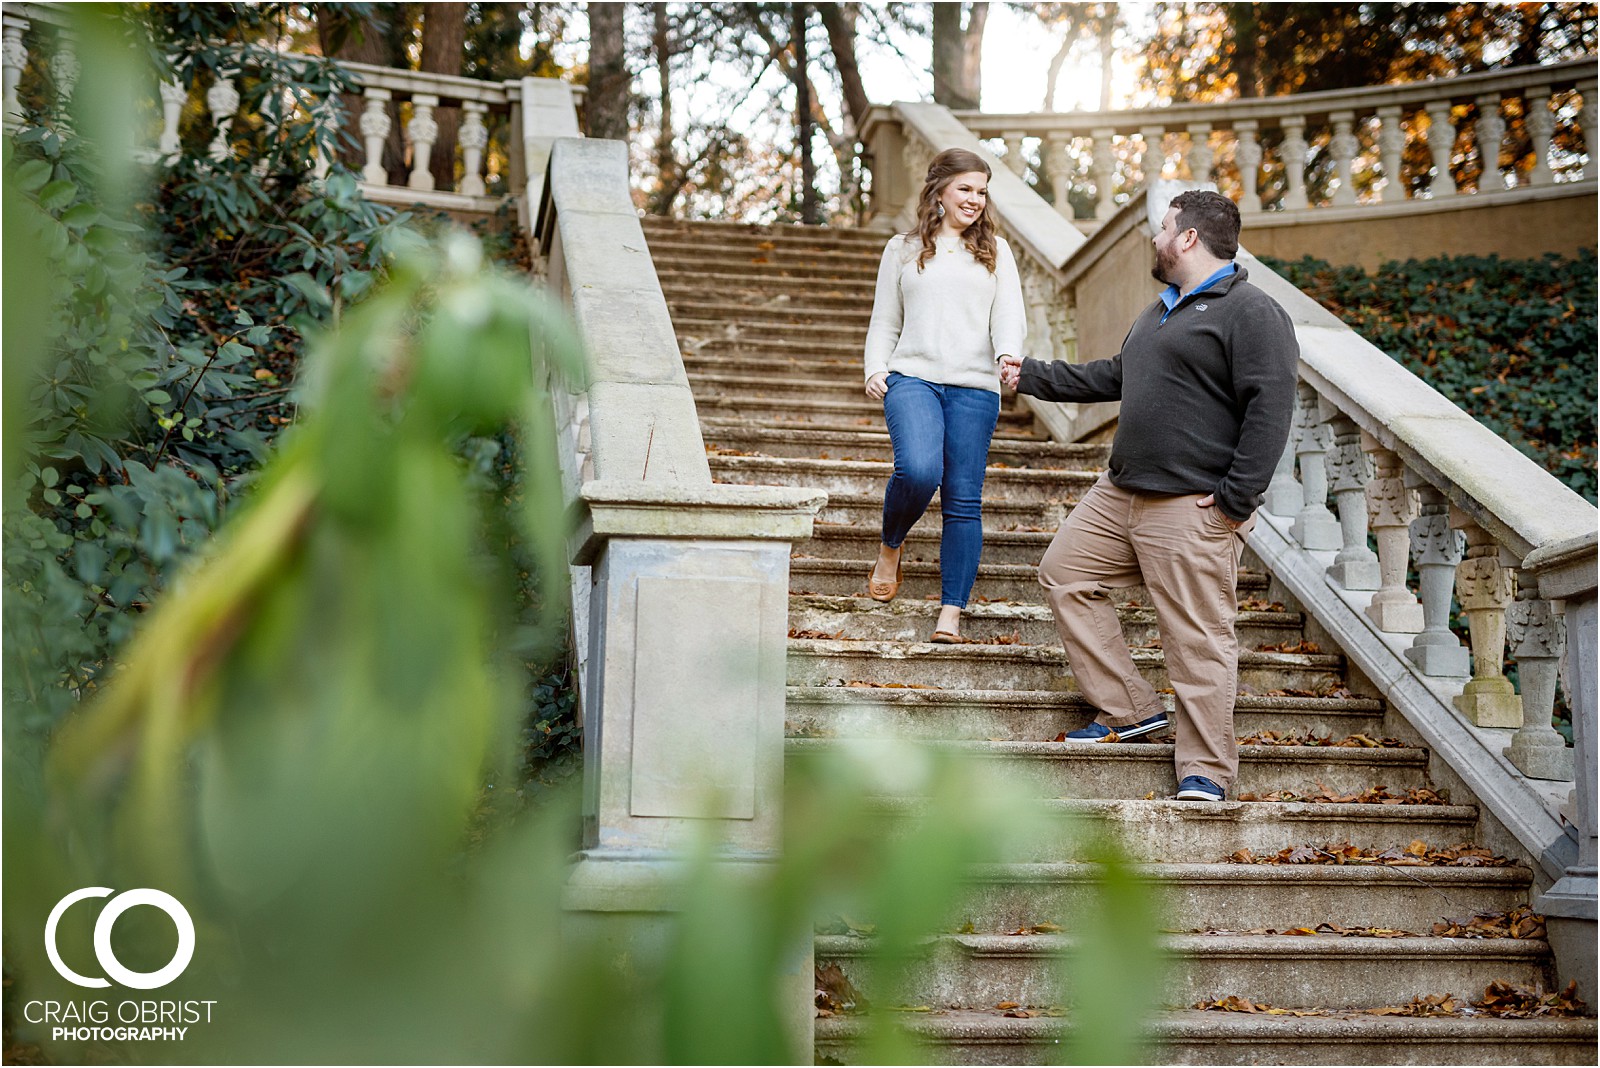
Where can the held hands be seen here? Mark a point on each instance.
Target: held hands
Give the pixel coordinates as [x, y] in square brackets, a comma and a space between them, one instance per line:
[878, 385]
[1010, 371]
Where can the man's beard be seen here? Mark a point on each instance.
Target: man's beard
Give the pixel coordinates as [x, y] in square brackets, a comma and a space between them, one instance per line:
[1166, 267]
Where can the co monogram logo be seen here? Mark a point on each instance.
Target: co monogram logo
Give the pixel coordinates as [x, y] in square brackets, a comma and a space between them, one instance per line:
[102, 937]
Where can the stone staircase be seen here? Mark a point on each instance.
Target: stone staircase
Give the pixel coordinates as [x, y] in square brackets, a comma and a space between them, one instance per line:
[770, 321]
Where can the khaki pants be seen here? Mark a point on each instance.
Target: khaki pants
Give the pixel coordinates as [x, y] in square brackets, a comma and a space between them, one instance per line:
[1188, 559]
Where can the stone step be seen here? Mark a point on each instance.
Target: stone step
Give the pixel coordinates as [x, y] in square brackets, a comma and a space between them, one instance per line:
[865, 510]
[874, 445]
[1189, 1036]
[701, 233]
[1135, 769]
[773, 310]
[763, 329]
[682, 259]
[823, 662]
[711, 423]
[919, 580]
[1241, 897]
[1018, 484]
[796, 361]
[758, 286]
[1282, 970]
[844, 386]
[778, 410]
[852, 711]
[1030, 623]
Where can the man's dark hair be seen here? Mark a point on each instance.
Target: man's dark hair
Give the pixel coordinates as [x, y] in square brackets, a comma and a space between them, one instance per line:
[1213, 216]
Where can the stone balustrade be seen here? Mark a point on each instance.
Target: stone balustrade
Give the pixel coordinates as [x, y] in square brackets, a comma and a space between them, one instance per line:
[490, 156]
[1356, 141]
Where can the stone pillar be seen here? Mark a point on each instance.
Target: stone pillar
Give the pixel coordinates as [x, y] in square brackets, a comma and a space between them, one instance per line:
[1485, 584]
[1059, 161]
[1314, 527]
[1586, 116]
[1200, 157]
[474, 138]
[1293, 152]
[1247, 154]
[1436, 550]
[1536, 634]
[1442, 143]
[1343, 147]
[1491, 131]
[1105, 172]
[222, 100]
[1541, 127]
[1152, 161]
[424, 134]
[1566, 573]
[1015, 163]
[1356, 566]
[64, 70]
[1285, 496]
[13, 61]
[375, 126]
[1390, 509]
[1391, 144]
[173, 97]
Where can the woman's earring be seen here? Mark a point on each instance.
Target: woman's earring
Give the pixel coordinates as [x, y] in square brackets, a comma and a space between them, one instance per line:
[941, 210]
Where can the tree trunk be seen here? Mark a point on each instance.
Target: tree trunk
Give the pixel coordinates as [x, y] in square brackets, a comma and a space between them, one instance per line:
[809, 208]
[1246, 22]
[1057, 61]
[840, 25]
[444, 35]
[957, 81]
[1108, 50]
[370, 39]
[667, 180]
[606, 106]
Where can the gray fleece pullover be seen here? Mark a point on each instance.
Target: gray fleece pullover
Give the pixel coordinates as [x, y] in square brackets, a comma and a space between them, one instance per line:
[1207, 397]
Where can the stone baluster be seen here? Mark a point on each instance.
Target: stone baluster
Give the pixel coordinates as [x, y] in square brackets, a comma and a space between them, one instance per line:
[1587, 117]
[1247, 154]
[64, 70]
[174, 95]
[474, 138]
[1343, 147]
[1356, 566]
[1314, 527]
[13, 61]
[1293, 152]
[1485, 585]
[1015, 162]
[1285, 496]
[1491, 131]
[1200, 157]
[1105, 170]
[1541, 128]
[1391, 144]
[1391, 507]
[1442, 143]
[1151, 161]
[1436, 550]
[375, 127]
[222, 100]
[1537, 633]
[424, 134]
[1059, 160]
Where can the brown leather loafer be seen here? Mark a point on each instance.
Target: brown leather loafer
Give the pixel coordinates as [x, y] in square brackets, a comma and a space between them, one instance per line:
[883, 591]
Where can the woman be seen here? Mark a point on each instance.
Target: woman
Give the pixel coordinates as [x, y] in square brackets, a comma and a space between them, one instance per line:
[948, 305]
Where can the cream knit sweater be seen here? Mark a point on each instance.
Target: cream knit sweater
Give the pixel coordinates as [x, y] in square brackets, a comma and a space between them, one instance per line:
[949, 323]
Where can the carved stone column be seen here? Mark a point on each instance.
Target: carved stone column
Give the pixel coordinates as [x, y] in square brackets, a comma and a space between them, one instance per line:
[1059, 161]
[1105, 172]
[1152, 160]
[1343, 148]
[1015, 162]
[1436, 549]
[173, 97]
[222, 100]
[1491, 131]
[375, 126]
[1485, 584]
[1314, 527]
[1390, 509]
[1356, 566]
[65, 69]
[1293, 152]
[1247, 154]
[1391, 144]
[424, 134]
[1442, 144]
[474, 138]
[1285, 496]
[1200, 157]
[13, 61]
[1537, 633]
[1541, 126]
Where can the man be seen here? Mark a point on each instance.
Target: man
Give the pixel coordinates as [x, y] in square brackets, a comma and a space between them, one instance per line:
[1206, 378]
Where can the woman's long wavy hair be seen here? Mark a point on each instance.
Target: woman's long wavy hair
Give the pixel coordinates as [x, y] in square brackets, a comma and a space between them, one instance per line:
[979, 237]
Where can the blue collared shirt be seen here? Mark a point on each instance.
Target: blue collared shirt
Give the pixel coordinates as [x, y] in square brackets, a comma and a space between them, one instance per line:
[1170, 296]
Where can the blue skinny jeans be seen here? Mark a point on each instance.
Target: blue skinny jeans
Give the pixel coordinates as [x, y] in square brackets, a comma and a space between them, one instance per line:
[941, 438]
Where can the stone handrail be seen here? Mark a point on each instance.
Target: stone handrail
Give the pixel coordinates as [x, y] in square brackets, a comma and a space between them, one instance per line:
[492, 158]
[1364, 131]
[1396, 459]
